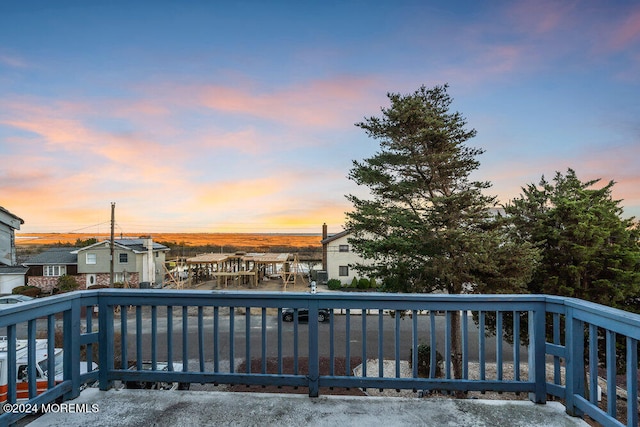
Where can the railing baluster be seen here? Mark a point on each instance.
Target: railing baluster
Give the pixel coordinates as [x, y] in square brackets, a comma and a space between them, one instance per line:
[216, 339]
[264, 340]
[185, 338]
[364, 342]
[170, 338]
[465, 344]
[516, 345]
[280, 341]
[332, 350]
[247, 338]
[347, 326]
[397, 348]
[31, 358]
[557, 374]
[201, 337]
[481, 349]
[124, 354]
[447, 344]
[432, 344]
[380, 344]
[154, 338]
[231, 339]
[51, 343]
[593, 364]
[138, 337]
[499, 338]
[632, 382]
[414, 346]
[12, 392]
[295, 341]
[611, 373]
[313, 367]
[89, 329]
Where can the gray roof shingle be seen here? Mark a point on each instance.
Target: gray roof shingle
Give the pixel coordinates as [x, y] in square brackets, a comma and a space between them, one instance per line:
[57, 255]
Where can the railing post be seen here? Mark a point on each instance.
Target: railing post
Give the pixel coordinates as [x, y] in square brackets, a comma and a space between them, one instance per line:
[314, 357]
[537, 352]
[71, 348]
[574, 369]
[105, 344]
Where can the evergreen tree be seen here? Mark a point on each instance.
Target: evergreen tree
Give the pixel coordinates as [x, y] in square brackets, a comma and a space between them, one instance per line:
[588, 250]
[426, 225]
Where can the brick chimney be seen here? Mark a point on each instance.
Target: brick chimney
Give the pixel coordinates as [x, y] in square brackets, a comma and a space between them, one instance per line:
[324, 247]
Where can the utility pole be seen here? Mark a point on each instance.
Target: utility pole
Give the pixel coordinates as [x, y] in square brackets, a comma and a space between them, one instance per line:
[113, 222]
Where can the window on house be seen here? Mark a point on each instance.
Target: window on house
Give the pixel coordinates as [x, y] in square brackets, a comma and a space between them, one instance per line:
[55, 270]
[343, 270]
[91, 258]
[124, 258]
[343, 248]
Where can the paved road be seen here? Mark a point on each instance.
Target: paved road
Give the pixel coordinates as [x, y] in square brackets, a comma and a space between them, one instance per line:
[354, 338]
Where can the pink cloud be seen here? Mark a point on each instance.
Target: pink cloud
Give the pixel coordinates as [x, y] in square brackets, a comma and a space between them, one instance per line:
[541, 17]
[627, 32]
[324, 103]
[12, 61]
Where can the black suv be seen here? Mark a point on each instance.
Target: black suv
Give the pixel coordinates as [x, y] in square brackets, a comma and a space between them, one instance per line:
[303, 314]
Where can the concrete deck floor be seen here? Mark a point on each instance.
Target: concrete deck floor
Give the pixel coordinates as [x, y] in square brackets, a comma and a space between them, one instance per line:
[204, 408]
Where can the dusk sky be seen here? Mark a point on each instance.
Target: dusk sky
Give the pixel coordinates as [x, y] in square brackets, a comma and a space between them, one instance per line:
[212, 116]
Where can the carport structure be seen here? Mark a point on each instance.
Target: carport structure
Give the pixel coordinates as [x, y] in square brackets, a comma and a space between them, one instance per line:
[243, 268]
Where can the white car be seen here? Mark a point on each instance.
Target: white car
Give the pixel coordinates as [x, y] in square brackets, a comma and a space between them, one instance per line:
[161, 366]
[9, 300]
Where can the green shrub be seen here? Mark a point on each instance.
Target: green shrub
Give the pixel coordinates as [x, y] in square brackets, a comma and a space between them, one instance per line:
[334, 284]
[424, 361]
[373, 284]
[30, 291]
[363, 283]
[354, 283]
[67, 283]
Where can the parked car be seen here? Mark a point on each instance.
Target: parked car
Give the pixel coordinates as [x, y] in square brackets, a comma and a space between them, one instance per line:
[161, 366]
[303, 314]
[8, 300]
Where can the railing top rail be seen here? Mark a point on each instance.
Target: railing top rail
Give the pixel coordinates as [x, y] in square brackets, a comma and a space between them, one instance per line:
[356, 296]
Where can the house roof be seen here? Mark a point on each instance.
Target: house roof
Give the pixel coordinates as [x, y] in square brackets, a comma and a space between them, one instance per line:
[13, 270]
[58, 255]
[138, 245]
[335, 237]
[6, 212]
[211, 258]
[135, 245]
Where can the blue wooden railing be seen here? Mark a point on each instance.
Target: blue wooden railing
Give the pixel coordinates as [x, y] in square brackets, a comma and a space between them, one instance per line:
[201, 337]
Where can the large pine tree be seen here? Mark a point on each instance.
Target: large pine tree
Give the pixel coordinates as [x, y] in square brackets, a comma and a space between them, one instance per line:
[426, 226]
[588, 250]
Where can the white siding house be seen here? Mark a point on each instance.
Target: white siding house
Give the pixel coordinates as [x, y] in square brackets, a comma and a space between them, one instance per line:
[11, 275]
[339, 257]
[8, 224]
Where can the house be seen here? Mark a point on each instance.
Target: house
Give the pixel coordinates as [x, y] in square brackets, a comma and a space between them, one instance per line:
[11, 275]
[338, 257]
[137, 263]
[8, 224]
[46, 268]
